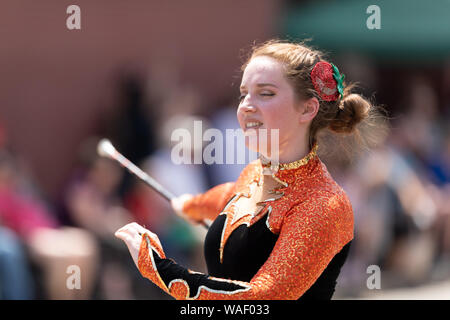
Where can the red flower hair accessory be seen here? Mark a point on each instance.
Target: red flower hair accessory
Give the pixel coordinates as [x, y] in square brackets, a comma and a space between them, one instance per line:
[327, 81]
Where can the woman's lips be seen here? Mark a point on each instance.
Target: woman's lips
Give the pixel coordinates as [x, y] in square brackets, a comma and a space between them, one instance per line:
[253, 125]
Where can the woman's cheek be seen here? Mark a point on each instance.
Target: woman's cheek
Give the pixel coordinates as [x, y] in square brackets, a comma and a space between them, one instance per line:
[239, 118]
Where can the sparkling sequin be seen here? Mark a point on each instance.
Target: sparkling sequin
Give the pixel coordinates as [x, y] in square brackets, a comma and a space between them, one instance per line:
[324, 82]
[313, 218]
[146, 263]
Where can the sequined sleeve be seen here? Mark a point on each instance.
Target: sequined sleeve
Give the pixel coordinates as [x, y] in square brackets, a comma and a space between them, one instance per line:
[209, 204]
[311, 234]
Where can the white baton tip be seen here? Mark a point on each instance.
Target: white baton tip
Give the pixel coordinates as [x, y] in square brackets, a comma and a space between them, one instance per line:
[105, 148]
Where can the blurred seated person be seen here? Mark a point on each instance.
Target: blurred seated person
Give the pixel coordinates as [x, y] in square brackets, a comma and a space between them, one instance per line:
[51, 248]
[92, 201]
[15, 274]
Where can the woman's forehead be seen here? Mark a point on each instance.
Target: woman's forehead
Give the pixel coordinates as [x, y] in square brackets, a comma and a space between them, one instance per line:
[262, 69]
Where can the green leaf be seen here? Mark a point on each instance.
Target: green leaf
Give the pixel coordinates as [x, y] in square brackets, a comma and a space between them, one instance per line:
[339, 79]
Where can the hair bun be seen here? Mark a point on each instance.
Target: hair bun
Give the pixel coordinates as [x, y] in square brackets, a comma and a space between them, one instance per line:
[353, 109]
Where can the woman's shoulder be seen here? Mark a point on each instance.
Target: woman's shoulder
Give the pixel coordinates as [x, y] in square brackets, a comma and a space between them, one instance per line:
[326, 182]
[327, 210]
[332, 197]
[322, 193]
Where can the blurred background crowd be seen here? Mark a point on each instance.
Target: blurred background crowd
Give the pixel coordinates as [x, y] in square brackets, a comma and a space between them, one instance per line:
[135, 72]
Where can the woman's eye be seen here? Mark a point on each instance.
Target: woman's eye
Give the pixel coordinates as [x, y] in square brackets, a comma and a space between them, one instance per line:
[266, 94]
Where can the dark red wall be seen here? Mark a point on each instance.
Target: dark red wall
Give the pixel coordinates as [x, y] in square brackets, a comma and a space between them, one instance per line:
[54, 81]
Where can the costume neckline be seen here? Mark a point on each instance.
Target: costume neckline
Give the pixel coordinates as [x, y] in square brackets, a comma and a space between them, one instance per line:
[266, 164]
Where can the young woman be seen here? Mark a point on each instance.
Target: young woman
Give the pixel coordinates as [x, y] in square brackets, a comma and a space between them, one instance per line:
[282, 230]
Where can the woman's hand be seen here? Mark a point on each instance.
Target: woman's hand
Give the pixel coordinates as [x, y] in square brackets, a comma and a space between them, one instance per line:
[131, 234]
[177, 206]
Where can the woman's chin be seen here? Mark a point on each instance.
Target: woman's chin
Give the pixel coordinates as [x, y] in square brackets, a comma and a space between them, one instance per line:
[251, 148]
[258, 148]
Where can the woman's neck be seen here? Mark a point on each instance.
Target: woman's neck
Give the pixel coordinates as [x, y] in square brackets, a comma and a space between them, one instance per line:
[289, 149]
[294, 154]
[295, 149]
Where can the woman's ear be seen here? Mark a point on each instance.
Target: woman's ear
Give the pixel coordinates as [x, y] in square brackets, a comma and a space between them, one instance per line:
[309, 110]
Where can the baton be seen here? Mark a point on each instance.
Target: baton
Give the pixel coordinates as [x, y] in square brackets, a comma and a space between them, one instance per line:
[106, 149]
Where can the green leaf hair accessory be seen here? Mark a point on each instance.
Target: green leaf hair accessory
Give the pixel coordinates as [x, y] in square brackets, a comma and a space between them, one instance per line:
[339, 79]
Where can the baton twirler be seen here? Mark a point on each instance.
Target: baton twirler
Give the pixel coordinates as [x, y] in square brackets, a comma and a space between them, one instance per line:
[106, 149]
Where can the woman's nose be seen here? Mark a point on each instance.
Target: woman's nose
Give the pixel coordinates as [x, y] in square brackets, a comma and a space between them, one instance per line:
[247, 108]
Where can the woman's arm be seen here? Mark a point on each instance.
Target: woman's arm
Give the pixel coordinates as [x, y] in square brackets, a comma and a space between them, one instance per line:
[310, 236]
[207, 205]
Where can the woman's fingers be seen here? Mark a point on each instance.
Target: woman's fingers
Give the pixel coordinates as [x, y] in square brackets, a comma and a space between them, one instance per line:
[131, 234]
[140, 229]
[124, 235]
[178, 203]
[134, 230]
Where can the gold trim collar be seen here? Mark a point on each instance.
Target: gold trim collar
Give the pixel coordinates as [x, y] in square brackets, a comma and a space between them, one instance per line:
[291, 165]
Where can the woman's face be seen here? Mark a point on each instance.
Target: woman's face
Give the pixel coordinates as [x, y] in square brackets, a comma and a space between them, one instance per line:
[267, 101]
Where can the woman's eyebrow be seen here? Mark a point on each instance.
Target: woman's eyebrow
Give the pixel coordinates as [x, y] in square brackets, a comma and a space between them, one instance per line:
[262, 85]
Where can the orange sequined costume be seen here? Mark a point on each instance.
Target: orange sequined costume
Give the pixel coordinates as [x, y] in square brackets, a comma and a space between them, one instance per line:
[292, 247]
